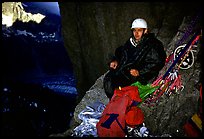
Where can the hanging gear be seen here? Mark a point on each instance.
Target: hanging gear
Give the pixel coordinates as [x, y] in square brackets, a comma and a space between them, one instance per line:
[194, 38]
[187, 61]
[169, 85]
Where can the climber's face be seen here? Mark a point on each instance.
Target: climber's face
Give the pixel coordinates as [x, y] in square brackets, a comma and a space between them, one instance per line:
[138, 32]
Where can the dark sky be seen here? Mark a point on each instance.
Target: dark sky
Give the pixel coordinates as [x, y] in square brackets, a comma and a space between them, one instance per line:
[50, 7]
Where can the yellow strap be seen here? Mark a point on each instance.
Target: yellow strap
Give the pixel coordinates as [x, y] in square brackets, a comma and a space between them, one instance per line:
[197, 121]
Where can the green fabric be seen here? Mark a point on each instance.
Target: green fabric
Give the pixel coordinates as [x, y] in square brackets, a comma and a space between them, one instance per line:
[144, 90]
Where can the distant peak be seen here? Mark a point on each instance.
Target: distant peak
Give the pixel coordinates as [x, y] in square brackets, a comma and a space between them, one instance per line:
[11, 11]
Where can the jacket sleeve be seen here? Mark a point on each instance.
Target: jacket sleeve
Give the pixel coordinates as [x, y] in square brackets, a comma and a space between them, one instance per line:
[114, 57]
[119, 55]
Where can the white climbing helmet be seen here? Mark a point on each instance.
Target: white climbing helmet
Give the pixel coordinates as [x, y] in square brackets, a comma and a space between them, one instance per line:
[139, 23]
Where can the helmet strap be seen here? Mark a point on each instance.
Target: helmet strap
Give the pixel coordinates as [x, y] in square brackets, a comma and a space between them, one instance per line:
[144, 31]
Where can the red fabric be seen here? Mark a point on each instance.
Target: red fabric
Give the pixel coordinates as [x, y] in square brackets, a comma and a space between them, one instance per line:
[112, 123]
[190, 131]
[134, 117]
[131, 91]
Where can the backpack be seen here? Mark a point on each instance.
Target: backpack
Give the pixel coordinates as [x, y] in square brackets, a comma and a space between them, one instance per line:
[120, 112]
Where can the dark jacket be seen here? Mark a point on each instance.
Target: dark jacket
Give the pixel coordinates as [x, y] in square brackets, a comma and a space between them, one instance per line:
[148, 57]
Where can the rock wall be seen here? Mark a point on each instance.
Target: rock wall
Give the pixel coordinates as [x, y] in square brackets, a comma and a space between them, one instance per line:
[91, 33]
[93, 30]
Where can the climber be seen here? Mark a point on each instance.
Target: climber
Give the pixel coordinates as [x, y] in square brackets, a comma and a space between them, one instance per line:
[139, 59]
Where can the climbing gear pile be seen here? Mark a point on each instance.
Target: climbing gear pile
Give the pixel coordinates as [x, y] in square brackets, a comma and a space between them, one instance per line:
[139, 131]
[122, 110]
[170, 82]
[91, 115]
[181, 58]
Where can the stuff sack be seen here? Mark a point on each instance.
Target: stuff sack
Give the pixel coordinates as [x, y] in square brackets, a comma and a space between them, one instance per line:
[134, 116]
[113, 120]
